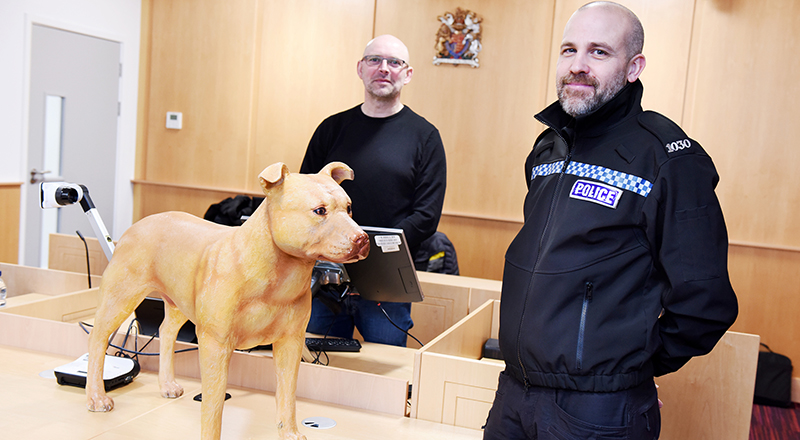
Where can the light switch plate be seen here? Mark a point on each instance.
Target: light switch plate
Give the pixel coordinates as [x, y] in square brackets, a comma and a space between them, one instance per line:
[175, 120]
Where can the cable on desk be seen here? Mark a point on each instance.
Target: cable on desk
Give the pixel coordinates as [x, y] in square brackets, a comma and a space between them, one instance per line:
[318, 357]
[319, 352]
[398, 327]
[122, 351]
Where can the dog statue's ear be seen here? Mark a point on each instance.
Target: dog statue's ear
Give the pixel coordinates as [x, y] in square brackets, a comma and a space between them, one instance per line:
[273, 174]
[338, 171]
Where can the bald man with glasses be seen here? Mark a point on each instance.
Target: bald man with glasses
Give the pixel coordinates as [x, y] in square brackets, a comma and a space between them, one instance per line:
[400, 178]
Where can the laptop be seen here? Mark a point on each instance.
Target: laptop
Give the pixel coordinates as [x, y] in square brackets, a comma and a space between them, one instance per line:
[388, 273]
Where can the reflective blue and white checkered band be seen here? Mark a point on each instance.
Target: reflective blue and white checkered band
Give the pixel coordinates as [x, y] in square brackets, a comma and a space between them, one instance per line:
[618, 179]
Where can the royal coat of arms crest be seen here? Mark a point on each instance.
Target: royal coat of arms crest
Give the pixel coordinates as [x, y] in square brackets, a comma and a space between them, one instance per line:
[458, 40]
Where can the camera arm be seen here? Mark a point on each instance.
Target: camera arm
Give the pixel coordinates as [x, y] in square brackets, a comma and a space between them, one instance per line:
[59, 194]
[98, 226]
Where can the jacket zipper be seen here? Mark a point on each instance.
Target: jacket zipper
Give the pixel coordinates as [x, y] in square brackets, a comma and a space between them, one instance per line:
[587, 297]
[536, 264]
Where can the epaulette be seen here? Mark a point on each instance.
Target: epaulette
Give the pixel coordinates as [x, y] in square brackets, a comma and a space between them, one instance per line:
[669, 134]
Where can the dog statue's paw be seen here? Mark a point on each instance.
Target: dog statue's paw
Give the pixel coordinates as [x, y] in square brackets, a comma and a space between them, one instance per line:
[171, 390]
[99, 404]
[285, 433]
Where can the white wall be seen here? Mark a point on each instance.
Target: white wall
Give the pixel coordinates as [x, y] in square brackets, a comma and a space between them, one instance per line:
[118, 20]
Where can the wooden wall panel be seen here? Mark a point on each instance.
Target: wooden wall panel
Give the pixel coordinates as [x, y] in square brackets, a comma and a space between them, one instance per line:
[153, 198]
[308, 55]
[9, 222]
[480, 243]
[743, 112]
[745, 115]
[485, 114]
[201, 60]
[143, 106]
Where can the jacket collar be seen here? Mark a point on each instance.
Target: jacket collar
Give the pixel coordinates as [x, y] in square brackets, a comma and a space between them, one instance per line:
[626, 103]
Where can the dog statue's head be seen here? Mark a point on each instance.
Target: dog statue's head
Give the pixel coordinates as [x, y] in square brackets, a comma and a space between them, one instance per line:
[309, 215]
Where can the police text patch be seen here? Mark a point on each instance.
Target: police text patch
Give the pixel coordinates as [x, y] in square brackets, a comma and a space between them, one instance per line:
[599, 193]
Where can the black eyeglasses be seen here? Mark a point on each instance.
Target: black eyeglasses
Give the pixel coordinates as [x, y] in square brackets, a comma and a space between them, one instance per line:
[377, 60]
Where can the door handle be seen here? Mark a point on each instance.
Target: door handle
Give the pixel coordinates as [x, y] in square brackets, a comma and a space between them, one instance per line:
[38, 176]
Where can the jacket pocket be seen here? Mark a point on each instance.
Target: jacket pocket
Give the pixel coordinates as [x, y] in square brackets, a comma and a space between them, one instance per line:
[698, 262]
[587, 298]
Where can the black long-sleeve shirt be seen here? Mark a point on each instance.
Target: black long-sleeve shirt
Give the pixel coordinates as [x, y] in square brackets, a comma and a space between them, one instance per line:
[399, 164]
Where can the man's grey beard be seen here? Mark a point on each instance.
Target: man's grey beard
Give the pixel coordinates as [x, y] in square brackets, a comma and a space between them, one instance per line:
[380, 94]
[580, 106]
[384, 96]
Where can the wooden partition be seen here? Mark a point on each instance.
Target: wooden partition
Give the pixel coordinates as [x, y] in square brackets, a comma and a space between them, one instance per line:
[42, 309]
[69, 253]
[452, 384]
[325, 383]
[42, 283]
[251, 370]
[443, 305]
[447, 300]
[710, 398]
[71, 307]
[45, 306]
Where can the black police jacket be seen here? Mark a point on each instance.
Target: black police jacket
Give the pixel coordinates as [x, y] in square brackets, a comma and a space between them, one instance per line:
[619, 272]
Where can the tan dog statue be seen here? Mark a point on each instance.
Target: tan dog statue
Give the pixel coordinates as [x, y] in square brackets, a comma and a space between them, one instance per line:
[241, 286]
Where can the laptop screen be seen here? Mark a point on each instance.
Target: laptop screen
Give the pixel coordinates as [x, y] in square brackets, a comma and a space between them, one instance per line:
[388, 273]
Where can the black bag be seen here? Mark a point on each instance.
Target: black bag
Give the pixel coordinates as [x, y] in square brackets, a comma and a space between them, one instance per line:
[437, 254]
[773, 379]
[233, 210]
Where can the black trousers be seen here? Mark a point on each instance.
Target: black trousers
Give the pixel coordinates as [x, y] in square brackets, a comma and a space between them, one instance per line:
[551, 414]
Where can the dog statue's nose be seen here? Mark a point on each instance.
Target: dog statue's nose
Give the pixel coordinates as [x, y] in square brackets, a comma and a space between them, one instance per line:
[362, 245]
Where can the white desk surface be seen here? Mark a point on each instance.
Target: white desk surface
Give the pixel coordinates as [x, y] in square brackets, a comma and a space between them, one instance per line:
[34, 407]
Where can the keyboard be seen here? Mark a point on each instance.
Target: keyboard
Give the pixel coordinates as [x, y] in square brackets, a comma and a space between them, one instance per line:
[333, 344]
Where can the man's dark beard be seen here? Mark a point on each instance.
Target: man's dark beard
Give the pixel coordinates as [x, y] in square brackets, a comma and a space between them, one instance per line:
[575, 106]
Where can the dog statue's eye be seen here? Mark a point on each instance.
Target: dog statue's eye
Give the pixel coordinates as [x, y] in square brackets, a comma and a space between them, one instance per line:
[349, 209]
[321, 211]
